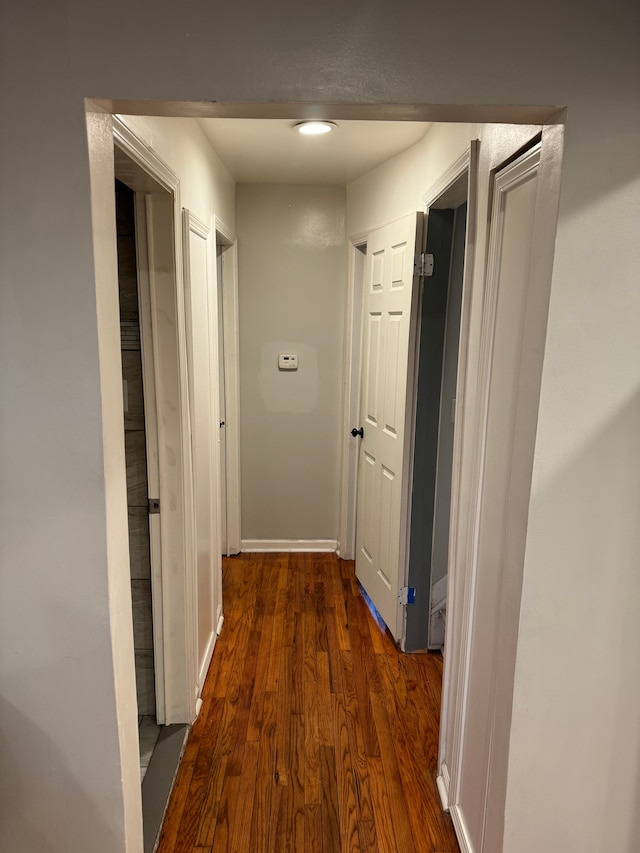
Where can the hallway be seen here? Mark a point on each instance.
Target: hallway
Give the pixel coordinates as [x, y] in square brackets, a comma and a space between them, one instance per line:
[315, 734]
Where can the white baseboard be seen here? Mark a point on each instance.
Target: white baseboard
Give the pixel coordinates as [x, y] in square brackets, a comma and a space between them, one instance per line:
[442, 782]
[344, 555]
[206, 660]
[220, 621]
[263, 545]
[462, 833]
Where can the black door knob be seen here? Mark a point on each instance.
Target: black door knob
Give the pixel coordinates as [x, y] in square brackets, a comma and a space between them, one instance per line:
[355, 432]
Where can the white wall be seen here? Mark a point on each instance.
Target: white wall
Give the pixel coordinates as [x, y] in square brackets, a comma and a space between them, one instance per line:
[574, 750]
[206, 185]
[292, 278]
[396, 187]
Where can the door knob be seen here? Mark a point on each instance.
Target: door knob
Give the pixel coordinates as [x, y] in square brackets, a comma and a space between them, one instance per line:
[355, 432]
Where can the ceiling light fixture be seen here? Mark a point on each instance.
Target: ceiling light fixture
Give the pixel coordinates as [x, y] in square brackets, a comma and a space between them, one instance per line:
[314, 128]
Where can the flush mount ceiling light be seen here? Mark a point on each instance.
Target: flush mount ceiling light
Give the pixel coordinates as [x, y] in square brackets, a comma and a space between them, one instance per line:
[314, 128]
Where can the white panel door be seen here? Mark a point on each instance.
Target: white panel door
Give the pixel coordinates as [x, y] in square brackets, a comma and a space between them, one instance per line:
[389, 312]
[202, 309]
[222, 411]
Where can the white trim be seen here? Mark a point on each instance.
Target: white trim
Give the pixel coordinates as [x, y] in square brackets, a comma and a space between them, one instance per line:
[351, 398]
[231, 323]
[442, 782]
[206, 660]
[223, 230]
[456, 635]
[143, 156]
[291, 545]
[478, 450]
[362, 237]
[220, 621]
[413, 356]
[461, 830]
[191, 222]
[110, 423]
[455, 171]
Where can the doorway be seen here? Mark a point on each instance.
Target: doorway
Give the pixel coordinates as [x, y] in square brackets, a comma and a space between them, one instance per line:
[222, 441]
[439, 339]
[228, 384]
[135, 381]
[155, 419]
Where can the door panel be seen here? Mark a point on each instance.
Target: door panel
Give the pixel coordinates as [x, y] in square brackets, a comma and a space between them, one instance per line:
[203, 399]
[388, 304]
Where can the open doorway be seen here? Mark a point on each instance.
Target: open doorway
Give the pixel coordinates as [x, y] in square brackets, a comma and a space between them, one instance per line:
[141, 458]
[438, 345]
[155, 415]
[472, 449]
[228, 389]
[222, 409]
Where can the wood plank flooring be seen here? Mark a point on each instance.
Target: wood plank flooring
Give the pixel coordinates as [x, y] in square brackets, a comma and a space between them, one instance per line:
[315, 735]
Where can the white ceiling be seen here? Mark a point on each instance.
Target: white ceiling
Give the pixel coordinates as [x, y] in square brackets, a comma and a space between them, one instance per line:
[270, 151]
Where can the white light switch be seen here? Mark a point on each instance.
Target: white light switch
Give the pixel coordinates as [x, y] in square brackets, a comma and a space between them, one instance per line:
[288, 361]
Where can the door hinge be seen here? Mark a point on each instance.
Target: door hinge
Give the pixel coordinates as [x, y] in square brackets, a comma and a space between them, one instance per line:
[423, 265]
[406, 595]
[154, 506]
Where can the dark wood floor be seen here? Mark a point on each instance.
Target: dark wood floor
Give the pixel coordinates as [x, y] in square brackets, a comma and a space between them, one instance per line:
[315, 735]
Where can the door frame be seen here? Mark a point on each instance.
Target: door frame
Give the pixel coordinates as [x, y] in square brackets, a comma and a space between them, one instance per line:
[458, 582]
[226, 238]
[173, 590]
[350, 449]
